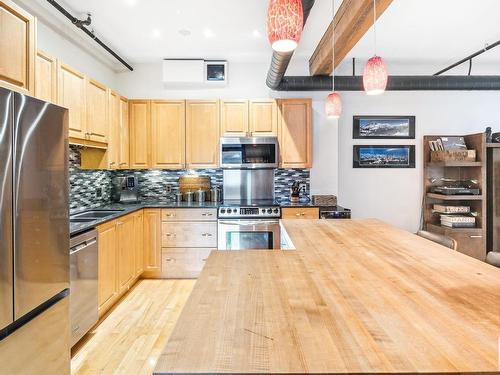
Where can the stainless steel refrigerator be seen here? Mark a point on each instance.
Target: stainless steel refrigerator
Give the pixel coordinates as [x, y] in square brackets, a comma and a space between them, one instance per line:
[34, 236]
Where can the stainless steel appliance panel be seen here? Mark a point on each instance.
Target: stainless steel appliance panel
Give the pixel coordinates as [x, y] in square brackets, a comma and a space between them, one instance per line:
[248, 184]
[41, 346]
[6, 243]
[41, 229]
[249, 234]
[249, 152]
[83, 284]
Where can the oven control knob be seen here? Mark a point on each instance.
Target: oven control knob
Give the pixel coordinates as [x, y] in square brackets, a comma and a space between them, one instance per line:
[222, 210]
[263, 210]
[269, 211]
[275, 210]
[235, 210]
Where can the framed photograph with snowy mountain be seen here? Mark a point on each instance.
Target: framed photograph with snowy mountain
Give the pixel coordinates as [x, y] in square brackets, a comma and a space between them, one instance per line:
[383, 127]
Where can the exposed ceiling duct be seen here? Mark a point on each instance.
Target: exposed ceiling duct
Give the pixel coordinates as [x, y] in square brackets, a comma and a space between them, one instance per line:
[395, 83]
[280, 60]
[277, 80]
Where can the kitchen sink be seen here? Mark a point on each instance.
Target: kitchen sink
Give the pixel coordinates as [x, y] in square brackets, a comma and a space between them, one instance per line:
[93, 215]
[81, 219]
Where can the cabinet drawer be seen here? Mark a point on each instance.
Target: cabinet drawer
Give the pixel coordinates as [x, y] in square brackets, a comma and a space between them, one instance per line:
[189, 234]
[300, 213]
[470, 243]
[183, 263]
[189, 214]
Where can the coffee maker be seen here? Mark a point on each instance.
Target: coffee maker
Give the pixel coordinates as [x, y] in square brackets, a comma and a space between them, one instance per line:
[125, 189]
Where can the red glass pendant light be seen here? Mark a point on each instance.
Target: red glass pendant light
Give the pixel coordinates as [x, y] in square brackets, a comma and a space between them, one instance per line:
[375, 76]
[333, 105]
[375, 73]
[285, 21]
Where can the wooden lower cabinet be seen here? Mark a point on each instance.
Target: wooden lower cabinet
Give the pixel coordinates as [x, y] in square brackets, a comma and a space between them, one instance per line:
[120, 243]
[470, 242]
[126, 252]
[152, 242]
[139, 242]
[108, 286]
[300, 213]
[183, 263]
[189, 234]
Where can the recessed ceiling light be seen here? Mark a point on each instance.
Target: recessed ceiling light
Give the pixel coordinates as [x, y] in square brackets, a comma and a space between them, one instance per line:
[184, 32]
[208, 33]
[178, 11]
[130, 3]
[256, 33]
[156, 33]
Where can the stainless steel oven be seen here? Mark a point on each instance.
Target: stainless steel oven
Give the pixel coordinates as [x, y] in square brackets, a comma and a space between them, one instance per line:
[243, 234]
[249, 152]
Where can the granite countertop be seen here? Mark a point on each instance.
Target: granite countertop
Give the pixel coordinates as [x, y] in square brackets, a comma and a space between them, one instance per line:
[124, 209]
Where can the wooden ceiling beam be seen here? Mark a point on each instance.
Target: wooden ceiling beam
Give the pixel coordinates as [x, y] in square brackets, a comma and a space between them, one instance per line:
[352, 20]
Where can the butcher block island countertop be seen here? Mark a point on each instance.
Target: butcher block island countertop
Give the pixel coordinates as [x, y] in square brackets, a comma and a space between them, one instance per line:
[357, 296]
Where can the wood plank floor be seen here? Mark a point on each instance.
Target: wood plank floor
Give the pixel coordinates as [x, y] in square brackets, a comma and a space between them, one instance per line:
[130, 339]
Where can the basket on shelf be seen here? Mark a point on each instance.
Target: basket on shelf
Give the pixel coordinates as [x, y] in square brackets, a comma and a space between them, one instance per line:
[453, 155]
[324, 200]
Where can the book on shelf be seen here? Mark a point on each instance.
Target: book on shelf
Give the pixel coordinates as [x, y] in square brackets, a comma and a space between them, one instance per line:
[453, 143]
[441, 208]
[458, 225]
[457, 219]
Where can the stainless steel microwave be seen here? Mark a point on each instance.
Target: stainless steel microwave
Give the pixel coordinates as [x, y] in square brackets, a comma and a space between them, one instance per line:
[249, 152]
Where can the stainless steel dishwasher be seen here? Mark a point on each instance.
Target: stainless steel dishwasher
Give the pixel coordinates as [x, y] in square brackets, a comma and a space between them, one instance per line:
[83, 284]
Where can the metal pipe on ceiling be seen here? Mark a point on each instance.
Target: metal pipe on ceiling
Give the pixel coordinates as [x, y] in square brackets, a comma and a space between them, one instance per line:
[470, 57]
[395, 83]
[82, 27]
[280, 60]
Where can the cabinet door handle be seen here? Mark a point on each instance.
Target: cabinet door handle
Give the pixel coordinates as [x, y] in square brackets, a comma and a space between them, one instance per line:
[170, 234]
[476, 236]
[300, 214]
[123, 163]
[169, 259]
[112, 163]
[206, 234]
[206, 214]
[170, 215]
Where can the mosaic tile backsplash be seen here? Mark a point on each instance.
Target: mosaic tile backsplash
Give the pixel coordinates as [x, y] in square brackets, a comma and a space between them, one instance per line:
[90, 189]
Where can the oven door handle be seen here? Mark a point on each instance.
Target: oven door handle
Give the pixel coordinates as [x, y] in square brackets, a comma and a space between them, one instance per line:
[246, 223]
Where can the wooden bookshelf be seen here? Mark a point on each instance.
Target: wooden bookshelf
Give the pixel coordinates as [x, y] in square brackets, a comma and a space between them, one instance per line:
[471, 241]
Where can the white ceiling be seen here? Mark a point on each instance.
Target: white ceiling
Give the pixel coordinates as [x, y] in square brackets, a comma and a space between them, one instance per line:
[428, 32]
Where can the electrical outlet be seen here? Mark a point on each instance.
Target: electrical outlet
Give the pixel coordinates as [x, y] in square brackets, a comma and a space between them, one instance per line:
[98, 192]
[168, 188]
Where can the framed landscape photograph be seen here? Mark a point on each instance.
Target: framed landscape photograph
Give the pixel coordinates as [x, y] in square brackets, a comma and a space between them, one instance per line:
[390, 156]
[383, 127]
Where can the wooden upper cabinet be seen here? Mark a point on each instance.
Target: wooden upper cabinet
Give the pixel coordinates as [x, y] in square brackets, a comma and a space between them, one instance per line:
[202, 133]
[124, 158]
[263, 118]
[168, 134]
[140, 128]
[97, 112]
[17, 48]
[295, 133]
[114, 139]
[46, 77]
[234, 118]
[71, 94]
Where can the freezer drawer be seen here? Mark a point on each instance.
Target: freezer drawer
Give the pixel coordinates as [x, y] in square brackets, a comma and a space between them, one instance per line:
[41, 346]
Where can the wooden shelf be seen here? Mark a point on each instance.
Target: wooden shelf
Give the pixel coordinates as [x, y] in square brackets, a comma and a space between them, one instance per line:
[456, 164]
[493, 145]
[455, 197]
[438, 228]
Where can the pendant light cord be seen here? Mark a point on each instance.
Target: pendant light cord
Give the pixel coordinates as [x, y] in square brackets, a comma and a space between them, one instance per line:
[333, 46]
[374, 27]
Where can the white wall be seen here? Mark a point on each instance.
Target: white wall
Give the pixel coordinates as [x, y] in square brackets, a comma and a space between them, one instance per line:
[247, 80]
[395, 195]
[57, 45]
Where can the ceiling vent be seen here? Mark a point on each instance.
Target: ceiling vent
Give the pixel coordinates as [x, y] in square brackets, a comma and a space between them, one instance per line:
[194, 73]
